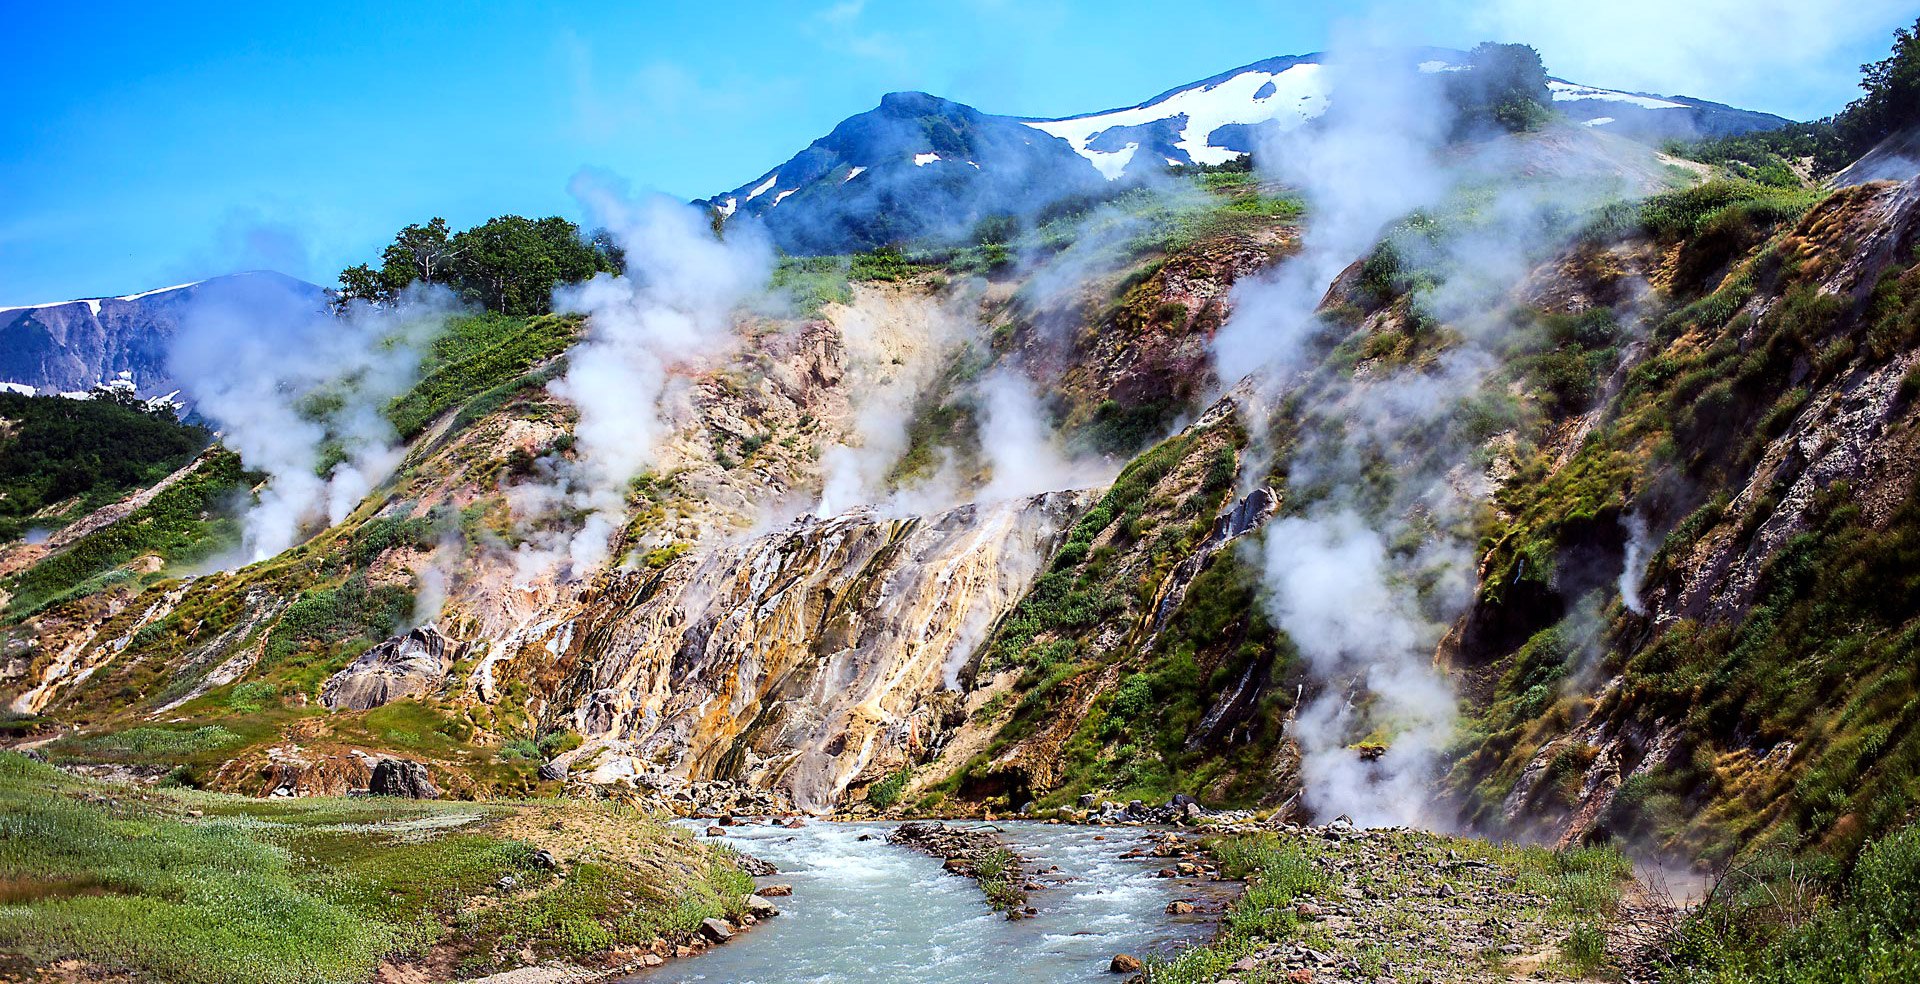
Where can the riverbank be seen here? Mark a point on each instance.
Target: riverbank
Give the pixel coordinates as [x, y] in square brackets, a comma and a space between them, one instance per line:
[1334, 903]
[106, 882]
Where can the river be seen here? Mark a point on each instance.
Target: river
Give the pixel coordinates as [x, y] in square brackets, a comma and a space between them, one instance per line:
[867, 911]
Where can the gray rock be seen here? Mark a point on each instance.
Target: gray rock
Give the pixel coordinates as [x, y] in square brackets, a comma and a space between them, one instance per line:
[760, 908]
[755, 866]
[404, 666]
[402, 778]
[716, 930]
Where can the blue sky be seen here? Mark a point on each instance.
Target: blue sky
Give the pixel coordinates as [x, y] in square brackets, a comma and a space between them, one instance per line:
[142, 146]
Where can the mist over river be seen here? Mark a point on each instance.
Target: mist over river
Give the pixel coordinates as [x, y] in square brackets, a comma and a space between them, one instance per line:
[866, 910]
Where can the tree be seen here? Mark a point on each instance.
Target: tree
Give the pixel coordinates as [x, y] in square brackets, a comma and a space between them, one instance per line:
[509, 264]
[363, 283]
[420, 253]
[1504, 85]
[1891, 103]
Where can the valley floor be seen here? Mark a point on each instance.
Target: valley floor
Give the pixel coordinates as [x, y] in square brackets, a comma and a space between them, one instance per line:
[109, 882]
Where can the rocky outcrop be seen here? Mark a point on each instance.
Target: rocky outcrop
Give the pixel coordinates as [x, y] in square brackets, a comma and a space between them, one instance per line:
[802, 659]
[409, 665]
[403, 778]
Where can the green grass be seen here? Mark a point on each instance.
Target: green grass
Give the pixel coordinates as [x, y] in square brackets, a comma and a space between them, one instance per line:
[313, 890]
[812, 282]
[475, 355]
[156, 743]
[1775, 923]
[1581, 888]
[886, 792]
[1280, 873]
[61, 458]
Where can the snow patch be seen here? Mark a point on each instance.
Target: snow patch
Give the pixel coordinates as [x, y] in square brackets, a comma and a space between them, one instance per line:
[1599, 121]
[93, 303]
[781, 197]
[1567, 92]
[149, 293]
[922, 160]
[1288, 98]
[731, 205]
[856, 172]
[21, 388]
[765, 186]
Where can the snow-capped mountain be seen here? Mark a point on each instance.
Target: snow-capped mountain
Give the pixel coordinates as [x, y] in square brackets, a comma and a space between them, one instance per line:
[913, 166]
[918, 165]
[71, 346]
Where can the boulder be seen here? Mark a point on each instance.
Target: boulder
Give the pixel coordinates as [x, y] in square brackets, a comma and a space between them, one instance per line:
[716, 930]
[776, 891]
[755, 866]
[1179, 908]
[1124, 963]
[402, 778]
[404, 666]
[760, 908]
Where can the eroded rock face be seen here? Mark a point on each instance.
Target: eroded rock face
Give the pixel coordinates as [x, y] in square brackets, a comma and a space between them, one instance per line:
[409, 665]
[801, 659]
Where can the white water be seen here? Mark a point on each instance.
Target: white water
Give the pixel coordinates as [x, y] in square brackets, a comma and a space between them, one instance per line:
[865, 911]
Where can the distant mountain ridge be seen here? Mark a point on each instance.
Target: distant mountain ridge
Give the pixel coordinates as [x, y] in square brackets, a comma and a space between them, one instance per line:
[919, 165]
[70, 346]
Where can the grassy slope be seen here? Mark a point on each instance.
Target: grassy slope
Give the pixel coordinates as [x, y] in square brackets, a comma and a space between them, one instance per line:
[206, 888]
[1821, 658]
[62, 458]
[183, 524]
[474, 355]
[316, 607]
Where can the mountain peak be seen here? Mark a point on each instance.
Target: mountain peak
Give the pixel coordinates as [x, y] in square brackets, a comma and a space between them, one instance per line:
[920, 164]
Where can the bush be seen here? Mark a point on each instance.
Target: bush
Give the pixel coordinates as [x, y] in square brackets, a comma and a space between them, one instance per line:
[887, 792]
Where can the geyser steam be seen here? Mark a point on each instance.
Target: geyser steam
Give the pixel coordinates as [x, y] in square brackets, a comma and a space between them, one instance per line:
[673, 306]
[299, 393]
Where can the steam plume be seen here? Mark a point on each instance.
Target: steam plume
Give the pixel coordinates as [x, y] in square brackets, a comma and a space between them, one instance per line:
[1369, 573]
[299, 393]
[672, 307]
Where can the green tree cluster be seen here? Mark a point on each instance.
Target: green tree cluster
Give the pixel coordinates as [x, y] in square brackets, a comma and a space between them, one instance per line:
[1891, 104]
[509, 264]
[1503, 85]
[77, 455]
